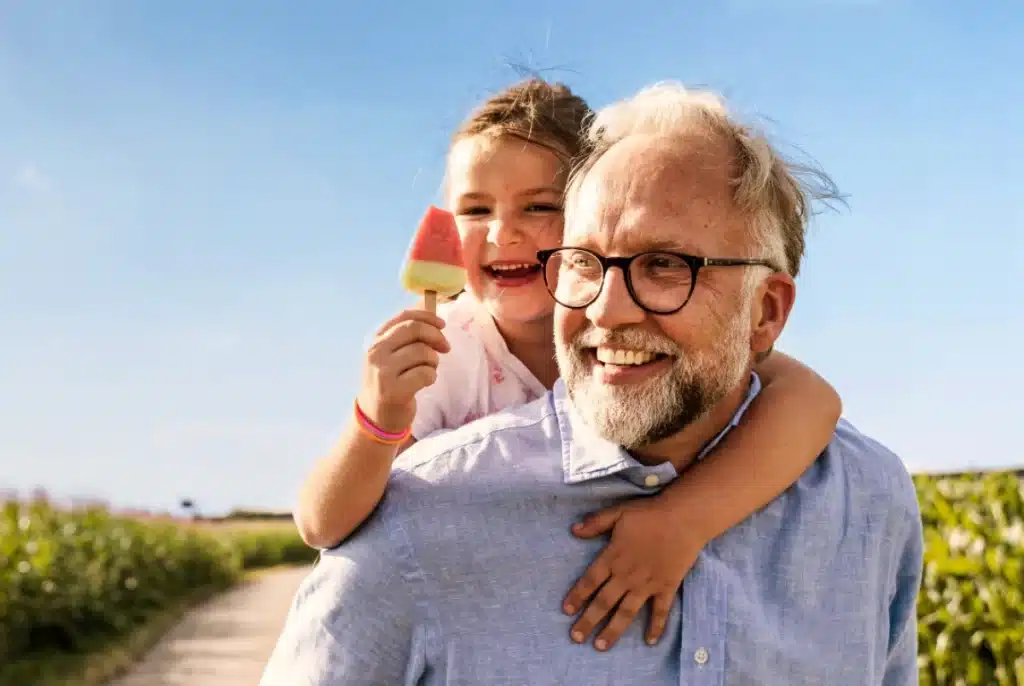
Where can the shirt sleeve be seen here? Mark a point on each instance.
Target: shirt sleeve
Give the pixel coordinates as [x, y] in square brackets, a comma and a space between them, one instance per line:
[353, 620]
[450, 399]
[901, 662]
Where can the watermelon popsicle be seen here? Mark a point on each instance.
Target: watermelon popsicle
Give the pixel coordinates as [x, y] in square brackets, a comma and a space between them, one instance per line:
[435, 263]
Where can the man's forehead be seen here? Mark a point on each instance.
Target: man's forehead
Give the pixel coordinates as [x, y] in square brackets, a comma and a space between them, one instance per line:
[635, 232]
[653, 194]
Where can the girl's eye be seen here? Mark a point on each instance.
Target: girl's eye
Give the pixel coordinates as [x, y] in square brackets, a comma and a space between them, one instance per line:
[543, 207]
[474, 211]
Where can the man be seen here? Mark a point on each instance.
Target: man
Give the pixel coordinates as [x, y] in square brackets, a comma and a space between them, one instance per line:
[460, 576]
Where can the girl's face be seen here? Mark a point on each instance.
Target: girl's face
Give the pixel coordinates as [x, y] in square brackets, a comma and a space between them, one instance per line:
[506, 195]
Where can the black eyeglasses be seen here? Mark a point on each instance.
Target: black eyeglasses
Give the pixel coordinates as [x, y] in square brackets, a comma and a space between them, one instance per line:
[659, 282]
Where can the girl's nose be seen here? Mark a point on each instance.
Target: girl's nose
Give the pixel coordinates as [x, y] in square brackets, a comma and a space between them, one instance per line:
[500, 231]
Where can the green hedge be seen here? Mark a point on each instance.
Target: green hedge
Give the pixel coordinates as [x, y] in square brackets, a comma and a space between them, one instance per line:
[70, 578]
[971, 606]
[271, 546]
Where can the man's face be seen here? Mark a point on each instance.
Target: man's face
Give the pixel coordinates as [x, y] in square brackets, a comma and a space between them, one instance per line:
[639, 378]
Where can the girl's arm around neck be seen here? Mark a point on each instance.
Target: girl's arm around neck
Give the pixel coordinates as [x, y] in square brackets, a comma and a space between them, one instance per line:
[782, 433]
[655, 541]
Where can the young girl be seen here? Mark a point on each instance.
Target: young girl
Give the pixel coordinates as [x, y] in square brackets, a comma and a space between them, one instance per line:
[506, 173]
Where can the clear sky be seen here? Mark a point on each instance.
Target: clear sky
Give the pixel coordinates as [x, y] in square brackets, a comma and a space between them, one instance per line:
[204, 207]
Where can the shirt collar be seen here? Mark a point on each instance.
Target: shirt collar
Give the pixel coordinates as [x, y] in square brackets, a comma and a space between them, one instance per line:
[586, 456]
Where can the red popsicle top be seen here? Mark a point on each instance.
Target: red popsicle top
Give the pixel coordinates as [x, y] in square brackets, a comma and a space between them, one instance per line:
[437, 239]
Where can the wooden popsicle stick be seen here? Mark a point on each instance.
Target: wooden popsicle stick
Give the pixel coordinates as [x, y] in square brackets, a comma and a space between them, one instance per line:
[430, 302]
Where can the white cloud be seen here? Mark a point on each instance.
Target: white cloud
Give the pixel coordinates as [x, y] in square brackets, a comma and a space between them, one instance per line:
[31, 178]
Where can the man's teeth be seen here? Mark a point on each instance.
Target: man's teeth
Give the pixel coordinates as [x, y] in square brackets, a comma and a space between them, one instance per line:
[511, 267]
[623, 357]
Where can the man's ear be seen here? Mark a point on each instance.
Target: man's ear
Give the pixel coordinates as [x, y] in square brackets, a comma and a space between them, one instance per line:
[773, 301]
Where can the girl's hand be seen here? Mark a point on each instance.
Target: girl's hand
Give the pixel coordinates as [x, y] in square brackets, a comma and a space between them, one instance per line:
[401, 361]
[646, 560]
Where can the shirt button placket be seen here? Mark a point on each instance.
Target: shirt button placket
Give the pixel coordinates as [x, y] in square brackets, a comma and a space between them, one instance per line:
[704, 613]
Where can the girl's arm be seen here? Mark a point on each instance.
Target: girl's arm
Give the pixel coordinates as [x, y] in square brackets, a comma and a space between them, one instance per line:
[345, 487]
[658, 539]
[782, 433]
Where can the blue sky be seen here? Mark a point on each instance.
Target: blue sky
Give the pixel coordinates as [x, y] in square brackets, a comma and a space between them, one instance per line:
[204, 206]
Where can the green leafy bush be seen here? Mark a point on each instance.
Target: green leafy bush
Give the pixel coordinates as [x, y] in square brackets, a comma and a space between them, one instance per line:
[971, 606]
[70, 576]
[71, 581]
[271, 546]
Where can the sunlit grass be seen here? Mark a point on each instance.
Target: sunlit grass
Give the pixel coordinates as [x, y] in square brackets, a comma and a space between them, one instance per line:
[80, 581]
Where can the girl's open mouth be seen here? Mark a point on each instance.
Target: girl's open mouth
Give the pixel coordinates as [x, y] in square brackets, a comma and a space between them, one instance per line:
[513, 273]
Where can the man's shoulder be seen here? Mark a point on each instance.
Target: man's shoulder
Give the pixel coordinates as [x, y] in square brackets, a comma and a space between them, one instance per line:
[484, 446]
[872, 469]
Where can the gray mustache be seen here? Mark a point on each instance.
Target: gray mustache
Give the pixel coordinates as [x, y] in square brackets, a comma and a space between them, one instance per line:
[625, 338]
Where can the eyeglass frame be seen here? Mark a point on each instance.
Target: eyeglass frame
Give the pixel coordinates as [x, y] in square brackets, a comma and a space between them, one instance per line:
[695, 263]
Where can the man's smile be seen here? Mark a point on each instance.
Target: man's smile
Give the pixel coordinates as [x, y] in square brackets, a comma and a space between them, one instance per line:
[619, 366]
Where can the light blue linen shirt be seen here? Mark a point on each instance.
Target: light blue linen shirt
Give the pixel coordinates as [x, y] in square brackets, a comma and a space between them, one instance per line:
[459, 576]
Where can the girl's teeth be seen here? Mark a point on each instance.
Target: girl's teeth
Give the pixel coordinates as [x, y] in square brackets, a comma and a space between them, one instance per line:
[624, 357]
[510, 267]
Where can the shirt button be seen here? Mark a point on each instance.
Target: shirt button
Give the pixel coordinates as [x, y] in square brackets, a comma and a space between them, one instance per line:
[651, 481]
[701, 656]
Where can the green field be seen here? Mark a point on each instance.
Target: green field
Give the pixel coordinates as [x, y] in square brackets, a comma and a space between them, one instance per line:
[971, 606]
[89, 583]
[79, 583]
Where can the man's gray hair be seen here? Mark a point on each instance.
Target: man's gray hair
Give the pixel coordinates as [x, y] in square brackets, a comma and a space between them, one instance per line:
[777, 194]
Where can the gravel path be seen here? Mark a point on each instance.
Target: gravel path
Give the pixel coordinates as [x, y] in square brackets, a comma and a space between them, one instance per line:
[224, 642]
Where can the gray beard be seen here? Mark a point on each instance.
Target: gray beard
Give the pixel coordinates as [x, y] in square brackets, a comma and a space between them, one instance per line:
[638, 415]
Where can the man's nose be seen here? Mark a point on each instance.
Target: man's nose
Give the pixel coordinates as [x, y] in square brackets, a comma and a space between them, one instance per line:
[614, 306]
[503, 231]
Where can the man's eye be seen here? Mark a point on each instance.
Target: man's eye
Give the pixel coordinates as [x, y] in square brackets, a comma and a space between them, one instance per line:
[582, 262]
[543, 207]
[662, 262]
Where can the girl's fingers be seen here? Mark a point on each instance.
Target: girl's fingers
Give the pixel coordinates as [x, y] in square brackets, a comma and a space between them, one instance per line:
[661, 606]
[411, 315]
[408, 357]
[626, 611]
[596, 575]
[411, 331]
[414, 380]
[603, 604]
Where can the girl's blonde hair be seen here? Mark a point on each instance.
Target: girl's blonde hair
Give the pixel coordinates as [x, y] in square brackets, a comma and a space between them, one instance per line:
[534, 110]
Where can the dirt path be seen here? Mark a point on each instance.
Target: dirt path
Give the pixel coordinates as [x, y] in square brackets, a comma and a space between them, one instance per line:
[225, 642]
